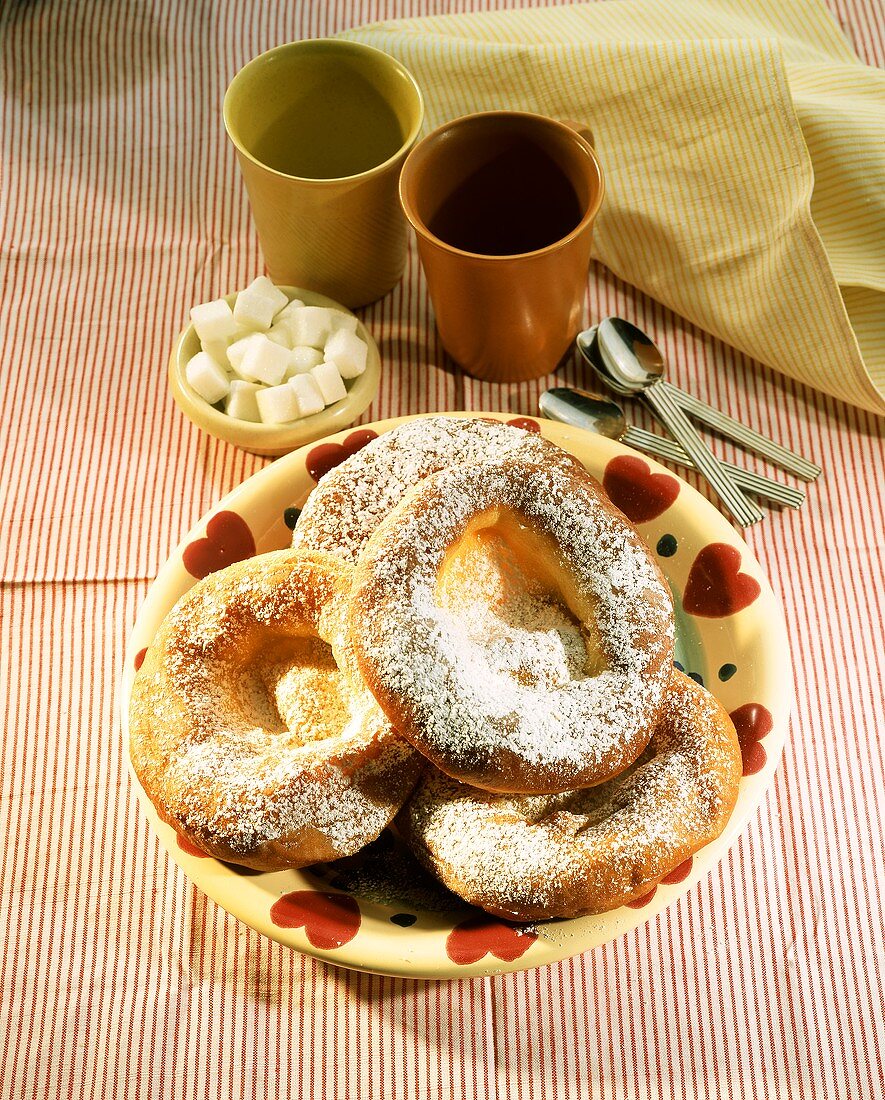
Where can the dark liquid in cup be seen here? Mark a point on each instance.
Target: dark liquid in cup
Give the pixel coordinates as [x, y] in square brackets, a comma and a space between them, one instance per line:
[519, 201]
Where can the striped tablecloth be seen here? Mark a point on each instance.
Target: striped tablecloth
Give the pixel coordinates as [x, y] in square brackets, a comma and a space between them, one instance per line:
[121, 206]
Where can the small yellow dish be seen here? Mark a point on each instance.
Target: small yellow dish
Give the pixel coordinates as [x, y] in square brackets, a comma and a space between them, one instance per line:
[274, 439]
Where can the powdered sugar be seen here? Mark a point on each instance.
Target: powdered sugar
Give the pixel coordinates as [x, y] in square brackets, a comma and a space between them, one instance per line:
[586, 850]
[566, 724]
[352, 499]
[248, 728]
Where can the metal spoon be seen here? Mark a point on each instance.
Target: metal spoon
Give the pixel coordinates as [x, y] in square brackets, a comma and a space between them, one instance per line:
[595, 414]
[629, 363]
[618, 338]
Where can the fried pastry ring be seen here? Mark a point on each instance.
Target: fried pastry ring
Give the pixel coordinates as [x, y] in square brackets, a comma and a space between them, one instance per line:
[352, 499]
[585, 851]
[250, 728]
[514, 627]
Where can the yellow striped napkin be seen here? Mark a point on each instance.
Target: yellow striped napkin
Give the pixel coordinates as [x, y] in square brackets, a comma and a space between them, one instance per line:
[744, 150]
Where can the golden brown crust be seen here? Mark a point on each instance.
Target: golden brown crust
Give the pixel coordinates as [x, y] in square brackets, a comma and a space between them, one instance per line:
[250, 728]
[585, 851]
[514, 627]
[351, 500]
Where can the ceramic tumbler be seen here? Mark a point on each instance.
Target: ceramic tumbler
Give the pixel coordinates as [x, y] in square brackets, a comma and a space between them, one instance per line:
[503, 205]
[321, 129]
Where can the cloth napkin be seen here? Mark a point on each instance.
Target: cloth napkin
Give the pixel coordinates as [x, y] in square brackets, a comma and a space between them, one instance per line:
[743, 145]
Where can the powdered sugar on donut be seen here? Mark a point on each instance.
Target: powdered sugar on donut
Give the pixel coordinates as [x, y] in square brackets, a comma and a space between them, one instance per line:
[352, 499]
[250, 729]
[440, 673]
[586, 850]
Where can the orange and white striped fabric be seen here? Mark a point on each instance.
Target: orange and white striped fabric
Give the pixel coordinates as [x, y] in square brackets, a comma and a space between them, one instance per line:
[121, 207]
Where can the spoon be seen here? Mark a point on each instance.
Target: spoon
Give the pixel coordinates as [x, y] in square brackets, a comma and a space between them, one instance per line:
[621, 343]
[595, 414]
[629, 363]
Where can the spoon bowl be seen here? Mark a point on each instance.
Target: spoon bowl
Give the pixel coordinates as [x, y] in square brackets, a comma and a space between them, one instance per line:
[622, 355]
[583, 410]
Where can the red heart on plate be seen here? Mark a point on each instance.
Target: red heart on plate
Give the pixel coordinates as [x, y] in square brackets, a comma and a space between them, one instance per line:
[637, 903]
[228, 539]
[640, 494]
[752, 722]
[526, 423]
[680, 873]
[478, 936]
[330, 920]
[327, 456]
[716, 587]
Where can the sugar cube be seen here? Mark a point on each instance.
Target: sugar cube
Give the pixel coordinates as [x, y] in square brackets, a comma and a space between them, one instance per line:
[280, 334]
[277, 404]
[264, 361]
[241, 401]
[237, 350]
[329, 381]
[307, 394]
[206, 377]
[256, 305]
[340, 320]
[348, 352]
[303, 360]
[310, 326]
[214, 322]
[217, 349]
[289, 309]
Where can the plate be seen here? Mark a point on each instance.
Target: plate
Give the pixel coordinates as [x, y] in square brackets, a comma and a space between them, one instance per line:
[377, 912]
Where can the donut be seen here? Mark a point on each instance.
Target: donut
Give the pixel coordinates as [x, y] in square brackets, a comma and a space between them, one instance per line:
[250, 728]
[585, 851]
[352, 499]
[514, 627]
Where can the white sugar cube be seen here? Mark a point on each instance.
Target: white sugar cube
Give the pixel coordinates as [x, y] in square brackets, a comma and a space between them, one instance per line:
[217, 349]
[329, 381]
[339, 320]
[348, 352]
[264, 361]
[278, 404]
[310, 326]
[286, 312]
[303, 360]
[280, 333]
[214, 322]
[307, 394]
[256, 305]
[241, 401]
[206, 377]
[237, 350]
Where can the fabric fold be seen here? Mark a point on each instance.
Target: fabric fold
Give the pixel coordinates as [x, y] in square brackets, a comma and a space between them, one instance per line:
[743, 148]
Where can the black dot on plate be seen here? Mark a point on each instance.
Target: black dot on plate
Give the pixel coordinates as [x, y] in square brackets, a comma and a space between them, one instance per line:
[290, 517]
[727, 671]
[681, 668]
[667, 546]
[404, 920]
[698, 679]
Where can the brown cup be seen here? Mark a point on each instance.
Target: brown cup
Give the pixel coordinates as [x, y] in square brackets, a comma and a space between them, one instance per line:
[503, 205]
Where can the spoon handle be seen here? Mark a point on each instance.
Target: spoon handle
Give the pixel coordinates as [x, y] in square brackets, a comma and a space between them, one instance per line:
[746, 437]
[757, 484]
[678, 424]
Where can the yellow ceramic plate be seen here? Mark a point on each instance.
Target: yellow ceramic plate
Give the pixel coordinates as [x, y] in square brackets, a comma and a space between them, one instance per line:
[377, 912]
